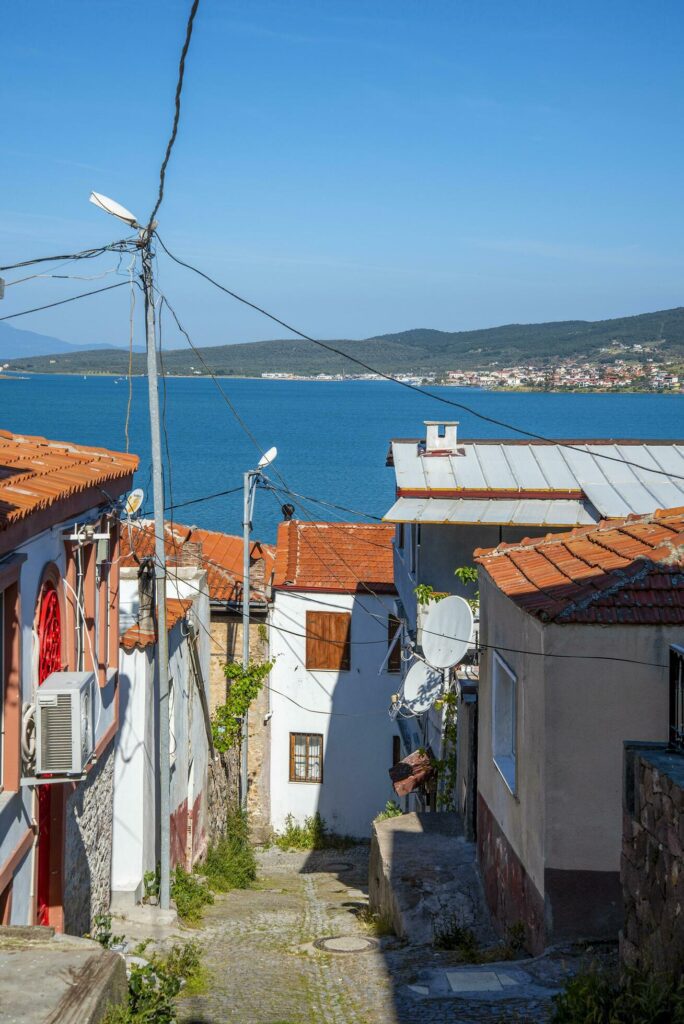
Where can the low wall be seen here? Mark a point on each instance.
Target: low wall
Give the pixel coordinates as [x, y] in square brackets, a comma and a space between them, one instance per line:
[652, 868]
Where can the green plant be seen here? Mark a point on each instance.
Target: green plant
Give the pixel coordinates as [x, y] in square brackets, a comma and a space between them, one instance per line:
[244, 687]
[230, 863]
[468, 574]
[152, 987]
[151, 881]
[425, 593]
[391, 810]
[190, 895]
[446, 765]
[376, 924]
[639, 997]
[102, 932]
[262, 633]
[312, 835]
[449, 934]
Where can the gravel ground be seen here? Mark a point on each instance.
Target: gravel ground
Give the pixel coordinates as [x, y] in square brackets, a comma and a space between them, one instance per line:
[264, 969]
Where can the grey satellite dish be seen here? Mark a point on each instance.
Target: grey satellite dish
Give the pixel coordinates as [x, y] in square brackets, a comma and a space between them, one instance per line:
[446, 632]
[422, 687]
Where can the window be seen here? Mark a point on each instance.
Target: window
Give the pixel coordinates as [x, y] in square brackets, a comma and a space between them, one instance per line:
[306, 757]
[328, 641]
[399, 538]
[504, 719]
[394, 660]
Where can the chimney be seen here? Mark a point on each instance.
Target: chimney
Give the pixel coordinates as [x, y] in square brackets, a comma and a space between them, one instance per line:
[440, 436]
[146, 589]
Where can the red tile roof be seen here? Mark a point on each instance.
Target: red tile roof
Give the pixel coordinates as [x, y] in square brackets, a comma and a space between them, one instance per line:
[36, 473]
[220, 554]
[342, 557]
[626, 571]
[137, 637]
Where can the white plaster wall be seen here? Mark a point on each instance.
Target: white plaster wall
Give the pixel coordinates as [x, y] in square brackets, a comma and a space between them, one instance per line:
[357, 739]
[592, 709]
[521, 815]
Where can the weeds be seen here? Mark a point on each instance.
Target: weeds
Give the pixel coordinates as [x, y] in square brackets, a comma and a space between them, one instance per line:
[376, 924]
[190, 895]
[449, 934]
[602, 998]
[312, 835]
[153, 986]
[102, 932]
[231, 863]
[391, 810]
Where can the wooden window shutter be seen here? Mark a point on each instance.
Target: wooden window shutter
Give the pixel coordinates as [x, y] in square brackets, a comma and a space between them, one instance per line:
[394, 660]
[328, 641]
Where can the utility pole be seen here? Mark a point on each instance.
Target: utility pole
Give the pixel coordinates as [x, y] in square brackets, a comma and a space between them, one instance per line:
[247, 508]
[144, 243]
[160, 574]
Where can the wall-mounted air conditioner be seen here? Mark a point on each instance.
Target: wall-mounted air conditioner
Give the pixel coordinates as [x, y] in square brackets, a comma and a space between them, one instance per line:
[64, 723]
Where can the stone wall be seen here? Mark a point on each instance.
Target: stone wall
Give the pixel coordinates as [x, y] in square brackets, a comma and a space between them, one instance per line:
[652, 868]
[88, 846]
[226, 632]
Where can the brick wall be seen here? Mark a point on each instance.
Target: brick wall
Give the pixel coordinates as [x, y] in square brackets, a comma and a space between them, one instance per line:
[652, 868]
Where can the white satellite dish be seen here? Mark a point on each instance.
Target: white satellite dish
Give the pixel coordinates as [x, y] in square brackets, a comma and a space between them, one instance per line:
[446, 632]
[267, 458]
[134, 501]
[116, 209]
[422, 687]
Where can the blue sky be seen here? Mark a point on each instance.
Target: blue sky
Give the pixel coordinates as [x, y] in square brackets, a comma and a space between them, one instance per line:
[358, 167]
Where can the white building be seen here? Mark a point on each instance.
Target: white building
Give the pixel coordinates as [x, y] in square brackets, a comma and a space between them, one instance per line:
[59, 593]
[332, 741]
[136, 779]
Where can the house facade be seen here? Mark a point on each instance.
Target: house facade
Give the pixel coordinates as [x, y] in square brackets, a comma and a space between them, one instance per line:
[576, 630]
[136, 771]
[219, 557]
[59, 596]
[454, 495]
[332, 741]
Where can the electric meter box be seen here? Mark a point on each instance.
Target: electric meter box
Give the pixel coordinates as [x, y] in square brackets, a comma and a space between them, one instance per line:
[65, 728]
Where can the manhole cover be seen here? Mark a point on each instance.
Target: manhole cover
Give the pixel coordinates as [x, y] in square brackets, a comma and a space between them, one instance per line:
[338, 865]
[345, 944]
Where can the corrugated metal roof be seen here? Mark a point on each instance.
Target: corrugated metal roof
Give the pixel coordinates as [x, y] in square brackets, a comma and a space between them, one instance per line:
[501, 512]
[614, 488]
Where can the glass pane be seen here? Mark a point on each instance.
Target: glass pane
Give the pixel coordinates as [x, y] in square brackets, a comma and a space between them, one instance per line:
[300, 756]
[314, 758]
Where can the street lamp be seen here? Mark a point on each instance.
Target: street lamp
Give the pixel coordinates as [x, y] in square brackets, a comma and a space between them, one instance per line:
[251, 480]
[115, 209]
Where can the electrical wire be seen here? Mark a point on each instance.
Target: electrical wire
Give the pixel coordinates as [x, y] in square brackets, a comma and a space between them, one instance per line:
[62, 302]
[176, 115]
[130, 353]
[87, 254]
[413, 387]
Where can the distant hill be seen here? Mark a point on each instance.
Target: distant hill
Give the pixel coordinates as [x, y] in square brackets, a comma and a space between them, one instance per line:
[419, 350]
[18, 344]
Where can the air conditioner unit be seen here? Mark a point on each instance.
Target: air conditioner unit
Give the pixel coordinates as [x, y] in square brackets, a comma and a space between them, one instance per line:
[64, 723]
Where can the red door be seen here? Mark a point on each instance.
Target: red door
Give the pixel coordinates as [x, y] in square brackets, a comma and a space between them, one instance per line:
[49, 660]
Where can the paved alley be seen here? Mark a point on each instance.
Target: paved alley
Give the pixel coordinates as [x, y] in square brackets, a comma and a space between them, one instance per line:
[266, 969]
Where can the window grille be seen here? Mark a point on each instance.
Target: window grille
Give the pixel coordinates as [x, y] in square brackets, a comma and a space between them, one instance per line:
[677, 698]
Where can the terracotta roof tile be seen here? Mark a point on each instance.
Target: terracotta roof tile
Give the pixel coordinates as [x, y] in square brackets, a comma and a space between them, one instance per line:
[220, 554]
[342, 557]
[36, 473]
[137, 637]
[628, 571]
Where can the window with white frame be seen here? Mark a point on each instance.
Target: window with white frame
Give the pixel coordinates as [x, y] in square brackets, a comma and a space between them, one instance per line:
[504, 720]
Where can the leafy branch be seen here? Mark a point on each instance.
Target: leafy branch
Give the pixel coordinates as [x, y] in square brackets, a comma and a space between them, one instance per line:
[244, 687]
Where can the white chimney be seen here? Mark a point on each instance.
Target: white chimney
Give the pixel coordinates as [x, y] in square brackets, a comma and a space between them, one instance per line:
[440, 436]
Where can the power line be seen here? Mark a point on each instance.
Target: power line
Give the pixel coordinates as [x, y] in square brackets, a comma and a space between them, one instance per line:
[176, 115]
[326, 504]
[86, 254]
[406, 384]
[62, 302]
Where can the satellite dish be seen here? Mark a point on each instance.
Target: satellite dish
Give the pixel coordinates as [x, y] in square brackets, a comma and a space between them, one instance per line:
[134, 501]
[116, 209]
[422, 687]
[267, 458]
[446, 632]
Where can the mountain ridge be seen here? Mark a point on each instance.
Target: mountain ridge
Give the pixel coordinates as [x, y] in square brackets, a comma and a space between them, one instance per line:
[420, 350]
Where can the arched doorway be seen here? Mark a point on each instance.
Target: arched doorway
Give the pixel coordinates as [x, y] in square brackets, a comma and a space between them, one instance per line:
[49, 661]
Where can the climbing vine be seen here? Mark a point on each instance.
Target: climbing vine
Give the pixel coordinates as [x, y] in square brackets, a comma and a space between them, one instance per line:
[425, 593]
[468, 574]
[244, 687]
[446, 765]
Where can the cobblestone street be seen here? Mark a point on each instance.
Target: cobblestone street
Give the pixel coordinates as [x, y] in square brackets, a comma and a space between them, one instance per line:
[264, 968]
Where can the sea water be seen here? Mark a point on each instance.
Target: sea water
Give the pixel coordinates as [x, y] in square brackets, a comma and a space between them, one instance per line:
[332, 437]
